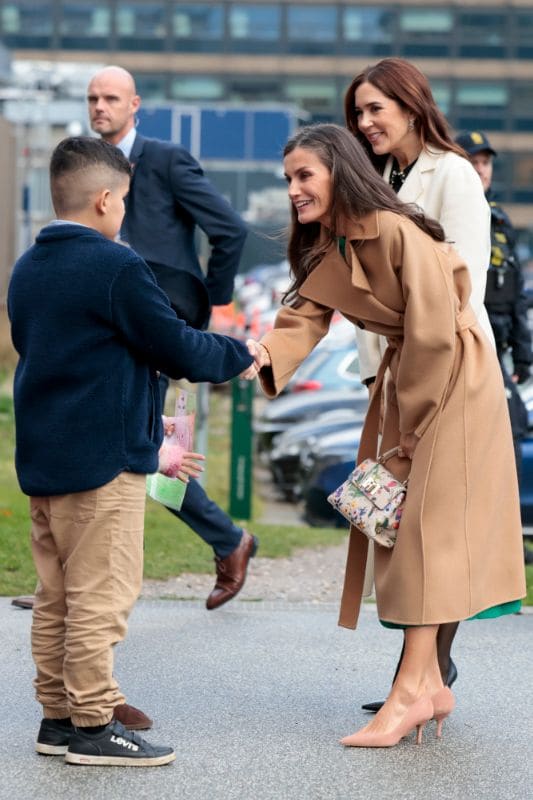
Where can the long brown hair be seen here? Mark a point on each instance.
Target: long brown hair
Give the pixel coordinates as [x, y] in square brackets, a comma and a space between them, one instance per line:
[356, 191]
[401, 81]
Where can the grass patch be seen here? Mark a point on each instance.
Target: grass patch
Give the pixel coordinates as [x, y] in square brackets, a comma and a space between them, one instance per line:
[170, 546]
[529, 578]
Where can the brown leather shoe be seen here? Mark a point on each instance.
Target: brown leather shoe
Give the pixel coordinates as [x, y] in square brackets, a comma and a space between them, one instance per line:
[132, 718]
[23, 601]
[231, 571]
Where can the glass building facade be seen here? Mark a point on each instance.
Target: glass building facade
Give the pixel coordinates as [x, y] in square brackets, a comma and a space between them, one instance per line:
[477, 55]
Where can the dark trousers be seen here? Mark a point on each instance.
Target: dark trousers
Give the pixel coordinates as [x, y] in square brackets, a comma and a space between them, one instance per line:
[202, 514]
[208, 520]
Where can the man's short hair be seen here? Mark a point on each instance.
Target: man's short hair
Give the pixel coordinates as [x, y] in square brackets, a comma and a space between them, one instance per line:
[82, 165]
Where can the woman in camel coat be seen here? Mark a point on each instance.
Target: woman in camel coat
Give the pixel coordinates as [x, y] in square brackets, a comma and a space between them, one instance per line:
[390, 109]
[459, 550]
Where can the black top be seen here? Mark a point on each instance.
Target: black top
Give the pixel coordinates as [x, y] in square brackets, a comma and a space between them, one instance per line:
[397, 176]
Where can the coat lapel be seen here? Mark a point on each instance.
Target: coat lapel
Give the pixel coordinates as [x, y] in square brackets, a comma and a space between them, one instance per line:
[413, 188]
[135, 157]
[136, 150]
[331, 282]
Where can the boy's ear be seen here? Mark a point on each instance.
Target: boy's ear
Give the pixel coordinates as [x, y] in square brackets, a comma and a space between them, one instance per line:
[101, 202]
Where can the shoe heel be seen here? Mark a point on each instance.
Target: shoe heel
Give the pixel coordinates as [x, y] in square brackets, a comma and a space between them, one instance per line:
[443, 705]
[419, 732]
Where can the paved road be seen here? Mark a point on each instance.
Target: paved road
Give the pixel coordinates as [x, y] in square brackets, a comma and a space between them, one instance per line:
[254, 697]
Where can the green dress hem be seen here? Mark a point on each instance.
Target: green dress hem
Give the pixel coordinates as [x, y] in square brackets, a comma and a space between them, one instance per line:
[512, 607]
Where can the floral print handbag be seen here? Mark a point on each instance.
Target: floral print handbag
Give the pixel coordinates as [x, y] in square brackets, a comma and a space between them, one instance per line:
[371, 498]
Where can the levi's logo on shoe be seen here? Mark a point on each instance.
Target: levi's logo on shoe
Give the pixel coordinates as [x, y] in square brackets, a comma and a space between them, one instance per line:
[124, 742]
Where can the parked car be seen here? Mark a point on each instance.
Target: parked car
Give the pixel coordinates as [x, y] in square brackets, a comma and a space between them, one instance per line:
[282, 413]
[317, 511]
[526, 485]
[327, 367]
[287, 448]
[330, 458]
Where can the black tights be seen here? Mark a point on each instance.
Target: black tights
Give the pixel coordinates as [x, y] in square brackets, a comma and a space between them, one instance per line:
[445, 637]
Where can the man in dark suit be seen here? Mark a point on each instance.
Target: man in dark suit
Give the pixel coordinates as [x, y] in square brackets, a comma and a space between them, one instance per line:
[169, 196]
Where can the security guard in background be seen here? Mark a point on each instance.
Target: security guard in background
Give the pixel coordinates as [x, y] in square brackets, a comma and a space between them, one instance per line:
[505, 299]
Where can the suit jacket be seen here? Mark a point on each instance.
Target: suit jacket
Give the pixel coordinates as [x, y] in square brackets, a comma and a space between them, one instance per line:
[451, 559]
[448, 189]
[169, 196]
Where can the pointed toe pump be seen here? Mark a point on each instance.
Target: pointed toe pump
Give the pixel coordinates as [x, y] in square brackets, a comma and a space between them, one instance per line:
[416, 716]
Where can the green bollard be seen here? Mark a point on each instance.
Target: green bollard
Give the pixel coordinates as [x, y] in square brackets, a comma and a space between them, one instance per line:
[241, 449]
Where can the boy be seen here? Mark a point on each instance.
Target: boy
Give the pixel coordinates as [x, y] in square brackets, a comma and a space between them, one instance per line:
[91, 328]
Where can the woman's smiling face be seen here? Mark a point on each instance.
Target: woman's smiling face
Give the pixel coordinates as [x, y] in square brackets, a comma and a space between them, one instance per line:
[309, 182]
[384, 123]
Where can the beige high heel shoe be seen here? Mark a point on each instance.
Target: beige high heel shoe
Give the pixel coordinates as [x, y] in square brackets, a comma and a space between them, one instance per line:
[416, 716]
[443, 705]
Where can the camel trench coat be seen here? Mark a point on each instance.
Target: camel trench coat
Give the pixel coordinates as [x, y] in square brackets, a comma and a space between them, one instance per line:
[459, 546]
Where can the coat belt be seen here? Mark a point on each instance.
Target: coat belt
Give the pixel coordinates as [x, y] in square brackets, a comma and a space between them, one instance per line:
[466, 319]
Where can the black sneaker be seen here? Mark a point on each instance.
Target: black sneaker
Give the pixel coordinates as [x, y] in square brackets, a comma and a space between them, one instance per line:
[117, 747]
[53, 738]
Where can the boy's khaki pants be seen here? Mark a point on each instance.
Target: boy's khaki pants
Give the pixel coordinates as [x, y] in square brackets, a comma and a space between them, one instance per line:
[88, 553]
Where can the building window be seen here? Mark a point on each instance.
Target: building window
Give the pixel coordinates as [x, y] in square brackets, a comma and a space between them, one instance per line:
[84, 25]
[482, 35]
[523, 33]
[442, 95]
[254, 28]
[479, 95]
[255, 22]
[371, 29]
[27, 23]
[312, 29]
[482, 105]
[141, 26]
[522, 107]
[196, 88]
[522, 184]
[426, 31]
[254, 89]
[426, 20]
[318, 96]
[151, 86]
[197, 27]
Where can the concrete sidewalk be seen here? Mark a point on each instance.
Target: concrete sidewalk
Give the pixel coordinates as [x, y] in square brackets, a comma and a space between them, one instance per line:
[255, 696]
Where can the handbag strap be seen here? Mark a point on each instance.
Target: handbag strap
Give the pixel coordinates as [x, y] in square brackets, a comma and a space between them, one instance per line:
[389, 454]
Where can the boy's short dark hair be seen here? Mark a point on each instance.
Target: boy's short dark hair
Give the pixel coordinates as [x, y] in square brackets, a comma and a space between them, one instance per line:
[83, 156]
[82, 152]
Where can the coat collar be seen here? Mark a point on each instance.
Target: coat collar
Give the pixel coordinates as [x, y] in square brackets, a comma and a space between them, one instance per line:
[366, 227]
[330, 283]
[413, 187]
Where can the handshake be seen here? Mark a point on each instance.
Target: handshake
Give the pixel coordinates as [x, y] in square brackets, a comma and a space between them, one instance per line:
[261, 359]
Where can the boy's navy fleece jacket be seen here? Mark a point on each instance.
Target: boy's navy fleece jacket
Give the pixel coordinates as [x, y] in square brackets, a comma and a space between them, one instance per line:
[91, 328]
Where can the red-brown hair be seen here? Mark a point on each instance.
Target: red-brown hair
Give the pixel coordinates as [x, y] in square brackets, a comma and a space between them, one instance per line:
[401, 81]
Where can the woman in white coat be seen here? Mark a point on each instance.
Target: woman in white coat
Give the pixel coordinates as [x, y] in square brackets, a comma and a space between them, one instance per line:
[390, 109]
